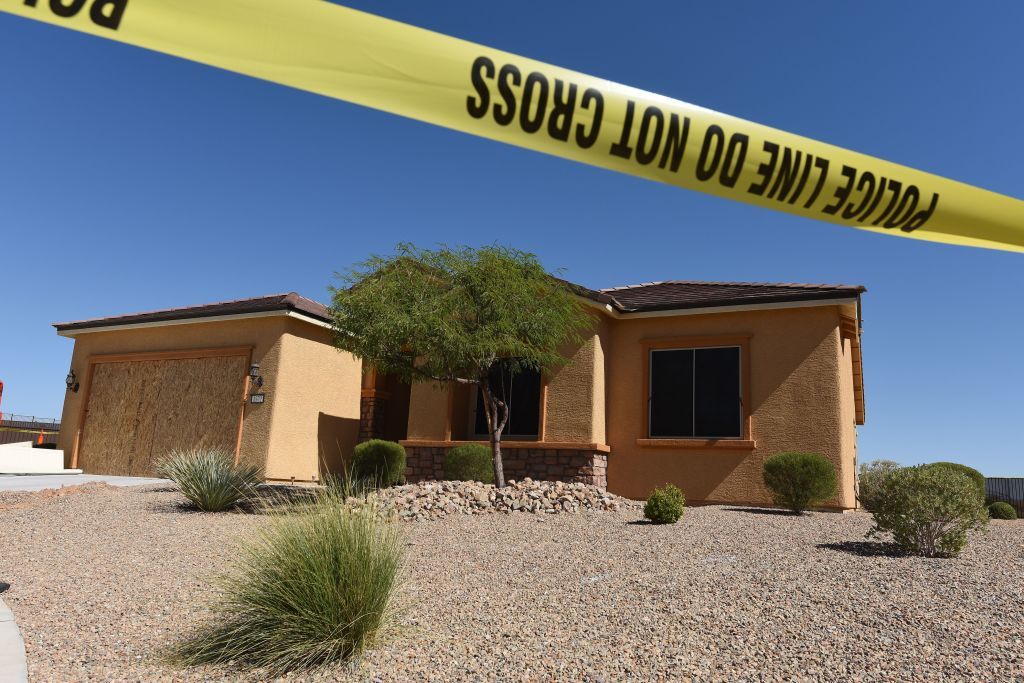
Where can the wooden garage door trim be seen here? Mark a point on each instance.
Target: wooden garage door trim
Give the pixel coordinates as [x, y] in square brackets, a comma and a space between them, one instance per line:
[176, 354]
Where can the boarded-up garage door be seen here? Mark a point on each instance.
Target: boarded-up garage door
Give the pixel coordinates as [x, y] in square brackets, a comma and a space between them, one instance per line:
[139, 410]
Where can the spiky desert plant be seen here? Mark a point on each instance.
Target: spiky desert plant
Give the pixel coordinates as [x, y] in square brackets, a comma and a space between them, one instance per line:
[210, 478]
[314, 586]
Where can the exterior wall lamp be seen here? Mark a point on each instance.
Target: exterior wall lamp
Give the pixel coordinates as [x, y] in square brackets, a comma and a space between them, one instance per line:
[71, 381]
[256, 395]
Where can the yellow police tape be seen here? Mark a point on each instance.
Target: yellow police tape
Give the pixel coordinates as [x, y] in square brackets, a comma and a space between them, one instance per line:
[380, 63]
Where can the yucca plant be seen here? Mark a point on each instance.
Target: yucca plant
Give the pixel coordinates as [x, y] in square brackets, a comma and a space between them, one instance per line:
[210, 478]
[315, 586]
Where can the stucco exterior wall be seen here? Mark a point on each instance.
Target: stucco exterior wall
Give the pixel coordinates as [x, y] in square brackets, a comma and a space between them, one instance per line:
[429, 408]
[847, 419]
[315, 406]
[795, 404]
[569, 408]
[602, 359]
[262, 334]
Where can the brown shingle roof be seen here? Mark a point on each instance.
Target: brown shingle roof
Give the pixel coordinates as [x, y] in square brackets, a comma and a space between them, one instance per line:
[683, 294]
[274, 302]
[649, 296]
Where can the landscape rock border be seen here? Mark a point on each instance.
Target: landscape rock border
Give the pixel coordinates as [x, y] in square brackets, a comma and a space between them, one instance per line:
[440, 499]
[13, 667]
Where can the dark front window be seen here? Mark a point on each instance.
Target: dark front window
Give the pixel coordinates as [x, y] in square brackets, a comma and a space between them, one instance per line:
[521, 394]
[695, 393]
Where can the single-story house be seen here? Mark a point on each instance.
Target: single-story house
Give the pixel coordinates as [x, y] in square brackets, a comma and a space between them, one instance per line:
[693, 383]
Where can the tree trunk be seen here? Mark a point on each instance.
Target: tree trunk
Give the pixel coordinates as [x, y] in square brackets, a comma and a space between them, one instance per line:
[497, 416]
[499, 468]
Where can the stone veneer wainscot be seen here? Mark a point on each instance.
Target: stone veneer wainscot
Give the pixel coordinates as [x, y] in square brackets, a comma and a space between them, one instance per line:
[588, 466]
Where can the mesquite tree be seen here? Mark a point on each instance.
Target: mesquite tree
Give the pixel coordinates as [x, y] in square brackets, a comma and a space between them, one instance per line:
[451, 315]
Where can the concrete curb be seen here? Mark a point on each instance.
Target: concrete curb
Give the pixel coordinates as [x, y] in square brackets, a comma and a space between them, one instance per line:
[13, 668]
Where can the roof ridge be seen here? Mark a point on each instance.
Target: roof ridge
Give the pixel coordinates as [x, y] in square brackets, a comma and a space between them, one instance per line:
[304, 298]
[642, 284]
[791, 285]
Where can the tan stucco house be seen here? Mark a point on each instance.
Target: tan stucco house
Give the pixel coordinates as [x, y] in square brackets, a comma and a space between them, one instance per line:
[693, 383]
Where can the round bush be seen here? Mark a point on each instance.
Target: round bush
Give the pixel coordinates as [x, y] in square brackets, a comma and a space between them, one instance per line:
[929, 510]
[977, 477]
[871, 479]
[665, 505]
[1001, 510]
[379, 461]
[799, 480]
[469, 462]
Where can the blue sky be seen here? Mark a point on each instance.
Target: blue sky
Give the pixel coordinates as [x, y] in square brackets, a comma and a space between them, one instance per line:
[131, 180]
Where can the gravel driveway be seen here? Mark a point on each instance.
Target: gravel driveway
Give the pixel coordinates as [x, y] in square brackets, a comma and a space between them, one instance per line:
[102, 580]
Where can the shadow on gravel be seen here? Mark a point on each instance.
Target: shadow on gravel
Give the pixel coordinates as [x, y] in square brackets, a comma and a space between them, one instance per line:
[184, 507]
[267, 497]
[865, 548]
[159, 489]
[640, 522]
[763, 511]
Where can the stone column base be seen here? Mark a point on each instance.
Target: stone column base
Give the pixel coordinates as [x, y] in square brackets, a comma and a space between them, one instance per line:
[371, 416]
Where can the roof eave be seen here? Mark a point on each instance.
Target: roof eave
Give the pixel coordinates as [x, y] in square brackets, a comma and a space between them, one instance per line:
[628, 314]
[851, 294]
[74, 329]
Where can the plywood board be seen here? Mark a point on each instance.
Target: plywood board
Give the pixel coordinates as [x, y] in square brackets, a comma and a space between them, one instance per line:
[139, 411]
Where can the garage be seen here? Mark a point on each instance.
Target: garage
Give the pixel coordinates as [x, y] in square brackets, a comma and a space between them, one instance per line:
[142, 406]
[259, 378]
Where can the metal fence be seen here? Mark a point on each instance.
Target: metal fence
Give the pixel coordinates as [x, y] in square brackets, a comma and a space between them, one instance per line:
[15, 428]
[1008, 489]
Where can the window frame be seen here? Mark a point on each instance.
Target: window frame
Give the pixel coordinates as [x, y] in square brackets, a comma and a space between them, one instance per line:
[742, 342]
[542, 409]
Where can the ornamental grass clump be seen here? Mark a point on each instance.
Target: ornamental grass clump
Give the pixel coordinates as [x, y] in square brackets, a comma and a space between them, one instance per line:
[469, 462]
[1001, 510]
[210, 478]
[380, 462]
[665, 505]
[315, 586]
[799, 481]
[929, 509]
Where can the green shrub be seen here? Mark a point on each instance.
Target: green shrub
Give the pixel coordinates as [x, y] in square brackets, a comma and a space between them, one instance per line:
[210, 478]
[977, 477]
[799, 480]
[382, 462]
[314, 586]
[1001, 510]
[929, 510]
[469, 462]
[665, 505]
[871, 479]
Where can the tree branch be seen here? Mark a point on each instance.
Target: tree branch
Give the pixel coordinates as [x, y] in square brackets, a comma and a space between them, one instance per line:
[412, 367]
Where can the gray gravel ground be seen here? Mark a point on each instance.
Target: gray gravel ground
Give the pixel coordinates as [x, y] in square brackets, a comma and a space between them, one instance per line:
[103, 580]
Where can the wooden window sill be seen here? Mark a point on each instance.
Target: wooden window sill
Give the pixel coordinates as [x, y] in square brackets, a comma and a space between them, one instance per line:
[732, 444]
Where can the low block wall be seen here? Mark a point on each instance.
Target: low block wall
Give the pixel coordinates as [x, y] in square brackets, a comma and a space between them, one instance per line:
[545, 464]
